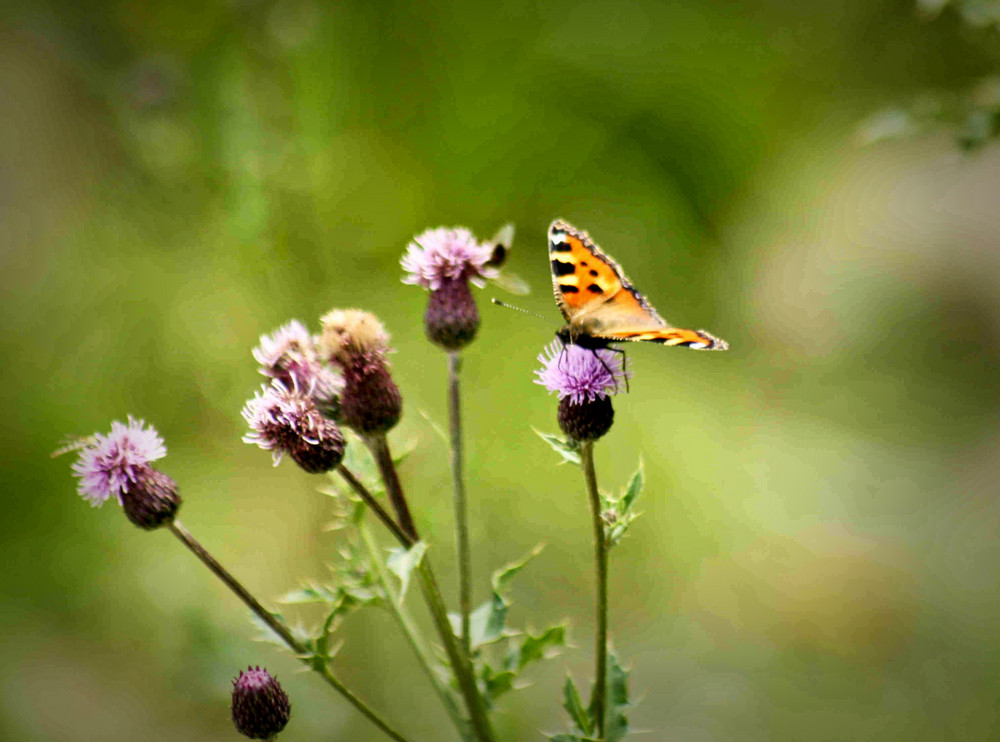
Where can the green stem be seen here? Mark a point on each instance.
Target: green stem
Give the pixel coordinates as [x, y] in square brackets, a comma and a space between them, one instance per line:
[460, 662]
[461, 509]
[410, 630]
[598, 699]
[371, 502]
[323, 669]
[278, 627]
[379, 446]
[458, 659]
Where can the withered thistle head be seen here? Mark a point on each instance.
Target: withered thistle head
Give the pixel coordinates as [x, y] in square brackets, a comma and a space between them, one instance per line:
[355, 340]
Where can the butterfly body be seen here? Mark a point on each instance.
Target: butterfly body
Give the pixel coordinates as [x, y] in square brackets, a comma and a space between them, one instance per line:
[600, 304]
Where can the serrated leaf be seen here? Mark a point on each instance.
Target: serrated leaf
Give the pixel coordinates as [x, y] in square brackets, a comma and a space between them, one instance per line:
[311, 594]
[497, 683]
[574, 707]
[567, 449]
[616, 725]
[402, 562]
[502, 576]
[535, 648]
[267, 633]
[634, 487]
[486, 623]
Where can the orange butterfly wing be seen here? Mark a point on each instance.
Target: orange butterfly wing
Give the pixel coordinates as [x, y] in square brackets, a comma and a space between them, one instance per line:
[600, 303]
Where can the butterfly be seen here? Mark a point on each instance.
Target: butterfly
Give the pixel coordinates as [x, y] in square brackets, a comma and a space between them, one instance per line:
[600, 304]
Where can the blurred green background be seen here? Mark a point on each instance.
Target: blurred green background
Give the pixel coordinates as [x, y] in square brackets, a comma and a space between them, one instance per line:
[819, 555]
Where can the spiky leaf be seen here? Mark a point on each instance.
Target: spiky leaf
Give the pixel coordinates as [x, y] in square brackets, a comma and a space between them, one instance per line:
[568, 449]
[402, 563]
[574, 707]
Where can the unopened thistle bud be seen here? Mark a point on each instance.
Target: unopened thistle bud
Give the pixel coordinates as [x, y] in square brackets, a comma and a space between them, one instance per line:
[260, 706]
[446, 261]
[284, 420]
[117, 465]
[355, 340]
[585, 381]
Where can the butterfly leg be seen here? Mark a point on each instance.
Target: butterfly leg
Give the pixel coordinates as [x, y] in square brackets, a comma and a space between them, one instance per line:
[606, 368]
[624, 367]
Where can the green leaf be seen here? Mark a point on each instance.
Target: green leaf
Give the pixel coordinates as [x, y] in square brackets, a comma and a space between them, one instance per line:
[634, 487]
[486, 623]
[402, 562]
[574, 707]
[266, 633]
[535, 648]
[310, 594]
[497, 683]
[619, 513]
[569, 450]
[616, 725]
[502, 576]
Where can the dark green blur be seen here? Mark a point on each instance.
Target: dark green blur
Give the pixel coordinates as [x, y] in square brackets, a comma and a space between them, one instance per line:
[818, 556]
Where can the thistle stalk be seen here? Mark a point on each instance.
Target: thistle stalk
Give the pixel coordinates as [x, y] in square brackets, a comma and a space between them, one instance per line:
[457, 657]
[598, 700]
[409, 628]
[316, 663]
[461, 509]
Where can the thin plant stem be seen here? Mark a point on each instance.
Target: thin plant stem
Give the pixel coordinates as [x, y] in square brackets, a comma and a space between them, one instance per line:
[371, 502]
[409, 628]
[324, 670]
[278, 627]
[461, 508]
[379, 446]
[459, 660]
[598, 698]
[233, 584]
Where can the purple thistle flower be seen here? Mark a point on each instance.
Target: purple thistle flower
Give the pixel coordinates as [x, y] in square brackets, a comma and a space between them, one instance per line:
[286, 420]
[580, 374]
[441, 255]
[109, 464]
[289, 355]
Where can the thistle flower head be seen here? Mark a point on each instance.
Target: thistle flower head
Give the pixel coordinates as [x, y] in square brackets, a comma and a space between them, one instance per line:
[109, 465]
[289, 355]
[260, 706]
[288, 344]
[351, 332]
[284, 420]
[580, 374]
[356, 341]
[439, 255]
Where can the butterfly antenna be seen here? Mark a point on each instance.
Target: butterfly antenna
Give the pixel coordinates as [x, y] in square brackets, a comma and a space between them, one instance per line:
[505, 305]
